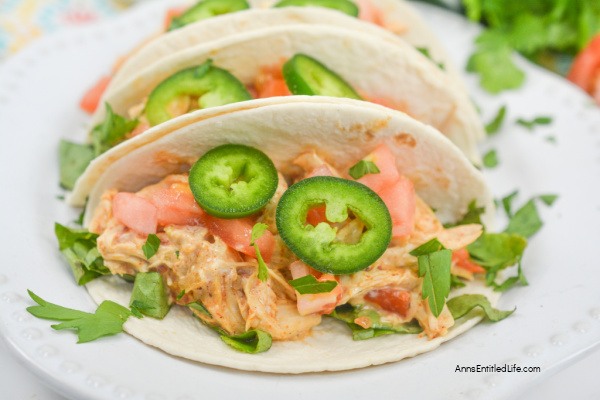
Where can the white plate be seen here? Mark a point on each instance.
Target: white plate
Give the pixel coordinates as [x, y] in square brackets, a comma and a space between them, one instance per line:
[558, 315]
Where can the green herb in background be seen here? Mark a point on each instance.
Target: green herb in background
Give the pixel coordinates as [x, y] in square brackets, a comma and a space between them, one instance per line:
[490, 159]
[545, 31]
[530, 124]
[495, 124]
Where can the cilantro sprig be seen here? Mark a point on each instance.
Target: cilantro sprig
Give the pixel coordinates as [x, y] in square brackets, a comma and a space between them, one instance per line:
[310, 285]
[434, 262]
[151, 246]
[107, 320]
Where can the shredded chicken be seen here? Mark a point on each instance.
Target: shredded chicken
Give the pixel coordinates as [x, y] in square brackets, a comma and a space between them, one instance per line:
[225, 281]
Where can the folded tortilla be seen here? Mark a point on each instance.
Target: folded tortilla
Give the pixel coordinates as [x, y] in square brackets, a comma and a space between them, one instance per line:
[404, 26]
[377, 69]
[340, 132]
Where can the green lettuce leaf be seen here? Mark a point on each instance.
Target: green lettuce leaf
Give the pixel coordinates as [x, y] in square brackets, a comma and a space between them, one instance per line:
[348, 314]
[74, 159]
[461, 305]
[79, 248]
[252, 342]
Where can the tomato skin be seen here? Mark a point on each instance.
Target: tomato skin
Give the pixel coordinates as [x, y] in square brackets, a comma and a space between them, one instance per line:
[135, 212]
[270, 82]
[585, 71]
[462, 260]
[400, 200]
[175, 204]
[236, 233]
[396, 191]
[393, 300]
[90, 100]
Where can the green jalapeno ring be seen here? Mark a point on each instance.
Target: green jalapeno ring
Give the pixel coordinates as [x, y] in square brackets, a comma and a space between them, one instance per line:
[211, 85]
[207, 9]
[306, 76]
[344, 6]
[233, 181]
[316, 245]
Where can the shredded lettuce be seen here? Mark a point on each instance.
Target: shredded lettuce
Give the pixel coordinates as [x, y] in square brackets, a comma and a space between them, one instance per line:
[349, 314]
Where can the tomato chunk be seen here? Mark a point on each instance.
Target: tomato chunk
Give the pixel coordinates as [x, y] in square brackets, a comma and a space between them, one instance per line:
[91, 99]
[175, 204]
[270, 82]
[462, 260]
[397, 191]
[400, 200]
[393, 300]
[388, 174]
[135, 212]
[236, 233]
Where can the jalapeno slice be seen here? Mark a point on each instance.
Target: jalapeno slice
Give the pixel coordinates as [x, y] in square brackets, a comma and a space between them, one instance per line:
[206, 85]
[344, 6]
[233, 181]
[317, 245]
[307, 76]
[206, 9]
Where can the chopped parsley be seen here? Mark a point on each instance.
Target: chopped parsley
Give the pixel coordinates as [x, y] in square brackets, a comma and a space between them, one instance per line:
[490, 159]
[151, 246]
[363, 168]
[495, 124]
[107, 320]
[434, 262]
[310, 285]
[531, 124]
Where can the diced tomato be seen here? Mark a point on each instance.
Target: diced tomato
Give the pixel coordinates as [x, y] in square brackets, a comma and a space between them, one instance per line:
[393, 300]
[368, 12]
[175, 204]
[236, 233]
[135, 212]
[400, 200]
[585, 71]
[270, 82]
[316, 215]
[172, 13]
[395, 190]
[91, 98]
[385, 160]
[462, 260]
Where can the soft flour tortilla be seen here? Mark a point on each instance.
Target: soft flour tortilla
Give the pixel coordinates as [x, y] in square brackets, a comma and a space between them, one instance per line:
[341, 132]
[376, 68]
[258, 18]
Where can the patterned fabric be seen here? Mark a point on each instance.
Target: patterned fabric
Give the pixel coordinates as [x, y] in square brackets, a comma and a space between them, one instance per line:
[21, 21]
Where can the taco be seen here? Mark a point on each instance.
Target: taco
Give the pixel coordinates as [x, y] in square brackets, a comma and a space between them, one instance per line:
[277, 62]
[335, 196]
[251, 19]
